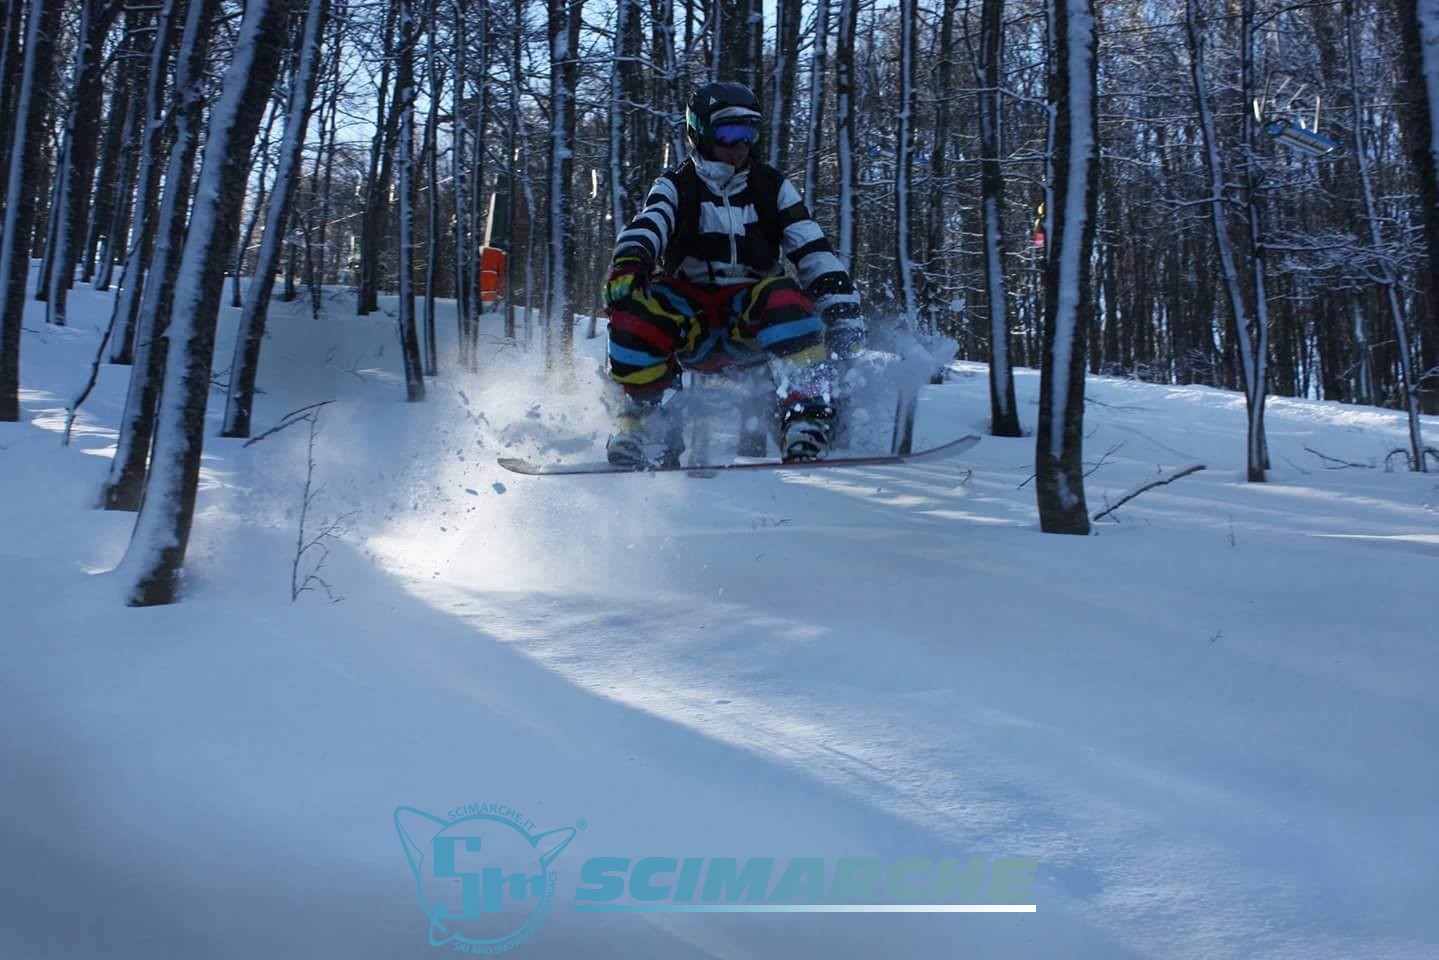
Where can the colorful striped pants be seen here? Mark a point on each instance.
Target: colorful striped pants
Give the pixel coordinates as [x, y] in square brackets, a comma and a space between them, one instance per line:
[678, 325]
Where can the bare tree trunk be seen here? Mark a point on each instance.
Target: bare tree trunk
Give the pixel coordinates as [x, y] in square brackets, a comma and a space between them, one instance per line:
[625, 12]
[478, 165]
[115, 162]
[1253, 176]
[42, 20]
[405, 186]
[254, 219]
[787, 14]
[818, 66]
[1003, 412]
[667, 84]
[1387, 279]
[1214, 169]
[146, 217]
[120, 202]
[152, 565]
[733, 41]
[1059, 439]
[244, 368]
[938, 259]
[845, 106]
[325, 157]
[72, 181]
[432, 208]
[372, 229]
[641, 160]
[147, 183]
[1419, 26]
[903, 167]
[564, 32]
[125, 484]
[465, 200]
[521, 150]
[11, 60]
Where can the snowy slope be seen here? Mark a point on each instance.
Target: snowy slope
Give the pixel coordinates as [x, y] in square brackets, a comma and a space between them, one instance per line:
[1210, 722]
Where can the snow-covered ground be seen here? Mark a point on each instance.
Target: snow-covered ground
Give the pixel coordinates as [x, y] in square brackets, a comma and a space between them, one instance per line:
[1211, 723]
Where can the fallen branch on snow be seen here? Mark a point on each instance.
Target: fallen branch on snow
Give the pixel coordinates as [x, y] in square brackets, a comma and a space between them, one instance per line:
[1156, 482]
[1408, 457]
[1295, 465]
[1123, 407]
[1338, 464]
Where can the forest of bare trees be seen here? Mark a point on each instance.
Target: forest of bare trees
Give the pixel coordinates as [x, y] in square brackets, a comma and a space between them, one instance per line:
[364, 147]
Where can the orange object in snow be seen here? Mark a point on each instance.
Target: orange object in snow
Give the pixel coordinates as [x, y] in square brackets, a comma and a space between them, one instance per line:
[492, 274]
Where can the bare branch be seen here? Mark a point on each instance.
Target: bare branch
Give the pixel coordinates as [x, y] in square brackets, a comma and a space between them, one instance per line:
[1156, 482]
[288, 420]
[1338, 464]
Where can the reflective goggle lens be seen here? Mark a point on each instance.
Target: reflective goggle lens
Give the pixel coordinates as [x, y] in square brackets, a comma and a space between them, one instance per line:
[732, 133]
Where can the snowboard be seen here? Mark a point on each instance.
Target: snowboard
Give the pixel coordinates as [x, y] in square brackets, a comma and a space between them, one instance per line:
[943, 451]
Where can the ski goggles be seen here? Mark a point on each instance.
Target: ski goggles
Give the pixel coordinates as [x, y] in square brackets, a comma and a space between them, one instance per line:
[729, 134]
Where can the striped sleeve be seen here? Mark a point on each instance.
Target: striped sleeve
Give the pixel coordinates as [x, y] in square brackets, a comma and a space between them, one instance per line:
[649, 232]
[820, 271]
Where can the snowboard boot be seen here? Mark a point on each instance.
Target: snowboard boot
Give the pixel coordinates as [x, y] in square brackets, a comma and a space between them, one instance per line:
[806, 431]
[646, 436]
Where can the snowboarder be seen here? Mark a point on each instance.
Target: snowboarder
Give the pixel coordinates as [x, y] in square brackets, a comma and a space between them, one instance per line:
[696, 282]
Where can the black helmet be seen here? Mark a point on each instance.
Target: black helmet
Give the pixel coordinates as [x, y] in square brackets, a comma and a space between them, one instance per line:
[716, 105]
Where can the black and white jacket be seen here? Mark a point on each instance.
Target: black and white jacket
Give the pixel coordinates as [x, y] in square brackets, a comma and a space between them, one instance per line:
[711, 224]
